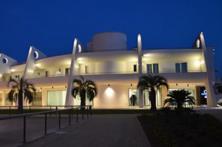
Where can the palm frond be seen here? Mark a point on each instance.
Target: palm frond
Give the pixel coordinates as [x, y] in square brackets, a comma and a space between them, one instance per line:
[28, 95]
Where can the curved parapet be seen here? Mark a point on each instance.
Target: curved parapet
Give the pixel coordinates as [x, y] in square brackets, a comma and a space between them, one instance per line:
[108, 41]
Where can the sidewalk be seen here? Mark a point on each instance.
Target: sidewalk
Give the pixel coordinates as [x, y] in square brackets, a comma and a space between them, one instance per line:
[98, 131]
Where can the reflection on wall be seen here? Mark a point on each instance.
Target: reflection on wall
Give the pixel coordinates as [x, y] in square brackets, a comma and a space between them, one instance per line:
[109, 94]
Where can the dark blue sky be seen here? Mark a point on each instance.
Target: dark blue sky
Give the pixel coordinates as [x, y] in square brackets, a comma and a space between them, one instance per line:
[51, 25]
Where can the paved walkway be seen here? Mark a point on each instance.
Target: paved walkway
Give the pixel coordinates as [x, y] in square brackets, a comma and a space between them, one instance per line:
[98, 131]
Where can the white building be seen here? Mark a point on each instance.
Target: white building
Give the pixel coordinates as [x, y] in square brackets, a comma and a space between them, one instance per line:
[115, 69]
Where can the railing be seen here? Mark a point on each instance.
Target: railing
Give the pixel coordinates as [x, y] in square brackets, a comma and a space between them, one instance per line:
[67, 110]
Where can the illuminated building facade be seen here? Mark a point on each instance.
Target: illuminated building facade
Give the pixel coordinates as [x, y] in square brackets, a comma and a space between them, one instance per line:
[115, 69]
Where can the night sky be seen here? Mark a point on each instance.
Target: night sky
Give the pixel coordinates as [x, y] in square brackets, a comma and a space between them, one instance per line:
[52, 25]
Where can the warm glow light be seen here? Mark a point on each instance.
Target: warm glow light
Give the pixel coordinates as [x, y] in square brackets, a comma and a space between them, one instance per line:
[147, 55]
[30, 71]
[109, 93]
[80, 60]
[38, 65]
[12, 70]
[76, 66]
[68, 62]
[198, 62]
[0, 75]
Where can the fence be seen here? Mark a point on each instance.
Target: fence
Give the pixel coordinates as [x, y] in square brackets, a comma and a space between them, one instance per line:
[69, 110]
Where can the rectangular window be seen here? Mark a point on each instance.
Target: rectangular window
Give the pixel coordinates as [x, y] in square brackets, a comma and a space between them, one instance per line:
[149, 68]
[152, 68]
[46, 73]
[155, 68]
[86, 69]
[184, 67]
[67, 71]
[181, 67]
[56, 97]
[134, 68]
[37, 101]
[177, 67]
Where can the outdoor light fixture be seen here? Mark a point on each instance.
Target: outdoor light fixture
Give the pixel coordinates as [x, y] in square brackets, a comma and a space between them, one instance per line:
[38, 65]
[109, 92]
[12, 70]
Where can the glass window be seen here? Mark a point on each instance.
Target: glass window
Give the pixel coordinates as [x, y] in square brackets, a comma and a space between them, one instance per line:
[133, 98]
[184, 67]
[86, 69]
[38, 100]
[155, 68]
[46, 73]
[67, 71]
[56, 97]
[177, 67]
[134, 68]
[149, 68]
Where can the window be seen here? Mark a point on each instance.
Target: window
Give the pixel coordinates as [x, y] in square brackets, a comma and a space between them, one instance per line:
[177, 67]
[149, 68]
[37, 101]
[134, 68]
[181, 67]
[67, 71]
[133, 97]
[184, 67]
[86, 69]
[46, 73]
[155, 68]
[56, 97]
[17, 76]
[152, 68]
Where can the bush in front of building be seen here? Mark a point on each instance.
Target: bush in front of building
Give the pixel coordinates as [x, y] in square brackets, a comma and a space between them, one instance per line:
[179, 98]
[21, 89]
[84, 88]
[152, 83]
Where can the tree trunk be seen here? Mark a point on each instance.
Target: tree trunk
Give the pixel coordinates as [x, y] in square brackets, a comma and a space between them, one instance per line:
[152, 97]
[179, 106]
[20, 97]
[83, 99]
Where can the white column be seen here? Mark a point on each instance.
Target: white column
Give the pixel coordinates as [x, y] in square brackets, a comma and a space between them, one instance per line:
[33, 55]
[210, 79]
[69, 98]
[139, 49]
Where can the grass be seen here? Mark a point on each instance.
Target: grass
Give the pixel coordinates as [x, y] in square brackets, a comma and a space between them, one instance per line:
[184, 129]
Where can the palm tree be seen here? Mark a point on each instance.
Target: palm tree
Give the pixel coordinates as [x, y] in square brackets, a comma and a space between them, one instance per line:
[21, 89]
[152, 83]
[179, 97]
[84, 88]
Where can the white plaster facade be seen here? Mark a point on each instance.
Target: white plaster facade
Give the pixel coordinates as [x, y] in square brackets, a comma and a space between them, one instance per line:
[114, 68]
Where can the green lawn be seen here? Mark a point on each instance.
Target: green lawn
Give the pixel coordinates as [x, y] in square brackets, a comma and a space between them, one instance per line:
[186, 129]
